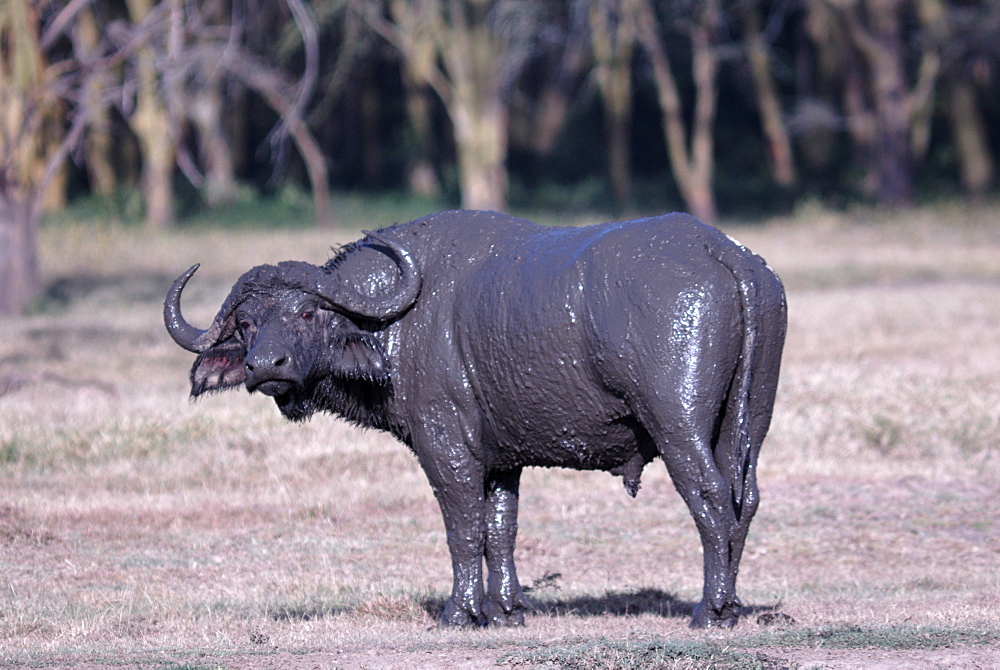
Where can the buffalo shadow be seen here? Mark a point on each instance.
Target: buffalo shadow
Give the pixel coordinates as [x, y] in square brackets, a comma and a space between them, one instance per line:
[613, 603]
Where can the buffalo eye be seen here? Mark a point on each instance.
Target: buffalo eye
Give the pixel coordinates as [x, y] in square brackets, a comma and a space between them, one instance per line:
[307, 315]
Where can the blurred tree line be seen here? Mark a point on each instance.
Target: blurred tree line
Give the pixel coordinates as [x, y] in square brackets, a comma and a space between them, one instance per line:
[678, 104]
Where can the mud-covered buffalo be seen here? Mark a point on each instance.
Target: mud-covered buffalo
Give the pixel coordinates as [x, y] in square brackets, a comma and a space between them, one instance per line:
[487, 344]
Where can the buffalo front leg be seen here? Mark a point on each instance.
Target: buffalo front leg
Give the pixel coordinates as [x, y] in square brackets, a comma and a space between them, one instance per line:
[505, 602]
[458, 483]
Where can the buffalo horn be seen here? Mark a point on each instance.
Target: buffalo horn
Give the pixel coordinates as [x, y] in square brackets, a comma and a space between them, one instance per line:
[187, 336]
[344, 298]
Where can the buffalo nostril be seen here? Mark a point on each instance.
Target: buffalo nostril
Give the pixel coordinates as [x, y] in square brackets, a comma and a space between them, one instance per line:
[281, 360]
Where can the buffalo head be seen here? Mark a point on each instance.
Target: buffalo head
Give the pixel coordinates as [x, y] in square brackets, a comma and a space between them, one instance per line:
[294, 330]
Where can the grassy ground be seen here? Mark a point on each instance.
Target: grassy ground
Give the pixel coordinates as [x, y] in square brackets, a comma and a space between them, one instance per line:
[140, 530]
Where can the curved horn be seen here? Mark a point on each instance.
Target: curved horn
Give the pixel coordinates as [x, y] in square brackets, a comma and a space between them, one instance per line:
[344, 298]
[183, 333]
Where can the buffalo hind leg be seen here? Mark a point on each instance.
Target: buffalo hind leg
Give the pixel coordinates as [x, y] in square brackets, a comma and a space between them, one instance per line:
[685, 444]
[505, 602]
[708, 498]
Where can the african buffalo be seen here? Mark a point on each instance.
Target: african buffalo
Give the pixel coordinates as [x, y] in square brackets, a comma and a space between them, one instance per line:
[488, 343]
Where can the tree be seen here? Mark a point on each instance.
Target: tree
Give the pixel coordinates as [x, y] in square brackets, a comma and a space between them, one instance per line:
[33, 144]
[560, 66]
[21, 75]
[207, 110]
[156, 89]
[692, 163]
[958, 41]
[772, 121]
[468, 53]
[98, 143]
[185, 53]
[613, 36]
[881, 104]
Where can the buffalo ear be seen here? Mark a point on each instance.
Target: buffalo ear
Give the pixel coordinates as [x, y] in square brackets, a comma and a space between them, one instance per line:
[218, 368]
[361, 357]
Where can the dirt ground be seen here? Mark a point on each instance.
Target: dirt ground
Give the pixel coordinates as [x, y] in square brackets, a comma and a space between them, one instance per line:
[387, 659]
[139, 530]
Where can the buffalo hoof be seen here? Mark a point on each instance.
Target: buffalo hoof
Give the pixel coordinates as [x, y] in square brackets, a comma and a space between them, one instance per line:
[497, 615]
[708, 617]
[455, 616]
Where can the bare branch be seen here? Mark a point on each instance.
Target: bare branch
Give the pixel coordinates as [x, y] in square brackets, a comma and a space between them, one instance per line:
[275, 88]
[293, 113]
[62, 22]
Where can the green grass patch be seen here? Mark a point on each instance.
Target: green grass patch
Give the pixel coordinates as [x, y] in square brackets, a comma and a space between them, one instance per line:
[606, 653]
[890, 638]
[739, 654]
[68, 447]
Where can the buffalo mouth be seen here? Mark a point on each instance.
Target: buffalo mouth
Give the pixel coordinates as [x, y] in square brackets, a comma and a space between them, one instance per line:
[272, 387]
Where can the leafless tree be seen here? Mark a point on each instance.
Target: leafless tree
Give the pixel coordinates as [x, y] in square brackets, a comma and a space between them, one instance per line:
[756, 45]
[55, 82]
[614, 36]
[35, 89]
[470, 54]
[691, 152]
[188, 52]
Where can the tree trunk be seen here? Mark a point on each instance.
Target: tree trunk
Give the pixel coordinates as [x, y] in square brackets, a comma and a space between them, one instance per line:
[613, 38]
[418, 64]
[207, 112]
[968, 128]
[158, 152]
[151, 125]
[421, 177]
[557, 97]
[481, 143]
[692, 168]
[860, 126]
[819, 57]
[772, 122]
[878, 39]
[969, 134]
[415, 40]
[371, 155]
[472, 55]
[885, 55]
[98, 147]
[705, 68]
[22, 153]
[19, 278]
[450, 47]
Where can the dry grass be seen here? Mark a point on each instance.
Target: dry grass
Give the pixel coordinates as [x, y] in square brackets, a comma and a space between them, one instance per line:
[139, 529]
